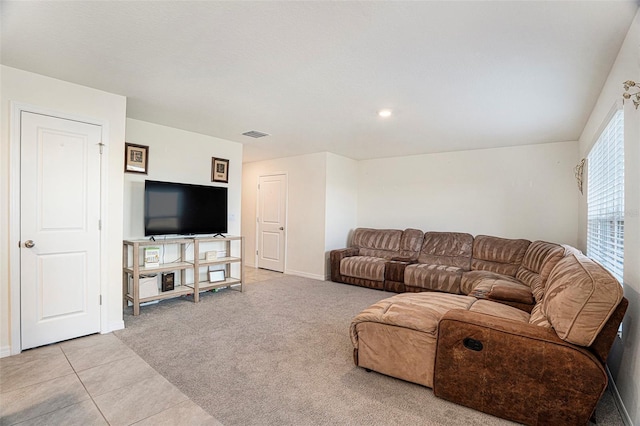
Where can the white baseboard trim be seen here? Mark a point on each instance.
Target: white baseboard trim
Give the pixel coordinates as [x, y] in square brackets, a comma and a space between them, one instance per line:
[626, 418]
[113, 326]
[5, 351]
[304, 275]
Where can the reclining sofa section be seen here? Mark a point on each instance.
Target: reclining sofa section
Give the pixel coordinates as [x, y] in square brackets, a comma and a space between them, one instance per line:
[513, 328]
[364, 263]
[546, 367]
[510, 271]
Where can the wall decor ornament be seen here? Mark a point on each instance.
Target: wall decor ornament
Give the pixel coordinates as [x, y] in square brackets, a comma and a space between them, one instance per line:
[629, 86]
[579, 173]
[136, 158]
[219, 170]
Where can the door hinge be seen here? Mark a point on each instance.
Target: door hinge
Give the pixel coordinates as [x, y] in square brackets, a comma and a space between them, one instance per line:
[99, 224]
[100, 300]
[258, 186]
[256, 252]
[101, 145]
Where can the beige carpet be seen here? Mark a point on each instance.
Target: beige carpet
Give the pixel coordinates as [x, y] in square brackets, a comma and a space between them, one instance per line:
[280, 354]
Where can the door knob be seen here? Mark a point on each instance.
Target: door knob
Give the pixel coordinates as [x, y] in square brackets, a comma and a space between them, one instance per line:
[282, 228]
[29, 244]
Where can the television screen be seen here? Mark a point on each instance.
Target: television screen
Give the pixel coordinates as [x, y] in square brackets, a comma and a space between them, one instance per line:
[183, 209]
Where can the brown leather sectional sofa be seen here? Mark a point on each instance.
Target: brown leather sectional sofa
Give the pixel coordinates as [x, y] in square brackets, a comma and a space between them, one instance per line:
[515, 329]
[510, 271]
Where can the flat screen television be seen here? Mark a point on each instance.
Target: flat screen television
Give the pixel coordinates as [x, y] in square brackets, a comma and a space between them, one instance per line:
[184, 209]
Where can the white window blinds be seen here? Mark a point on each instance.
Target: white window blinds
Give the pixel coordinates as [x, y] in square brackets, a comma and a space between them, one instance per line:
[605, 198]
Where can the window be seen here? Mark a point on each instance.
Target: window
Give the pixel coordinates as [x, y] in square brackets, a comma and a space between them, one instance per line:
[605, 198]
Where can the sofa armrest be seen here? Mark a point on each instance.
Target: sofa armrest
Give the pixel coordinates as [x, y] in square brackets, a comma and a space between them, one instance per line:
[515, 370]
[506, 290]
[336, 256]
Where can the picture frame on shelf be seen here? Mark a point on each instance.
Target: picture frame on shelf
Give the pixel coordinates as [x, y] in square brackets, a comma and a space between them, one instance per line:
[217, 276]
[219, 170]
[168, 281]
[151, 257]
[136, 158]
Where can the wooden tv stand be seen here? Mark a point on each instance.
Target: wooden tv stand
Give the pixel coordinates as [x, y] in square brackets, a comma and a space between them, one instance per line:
[190, 260]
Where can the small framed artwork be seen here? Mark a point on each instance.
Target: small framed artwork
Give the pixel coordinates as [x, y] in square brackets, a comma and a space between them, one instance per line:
[219, 170]
[216, 276]
[136, 158]
[168, 281]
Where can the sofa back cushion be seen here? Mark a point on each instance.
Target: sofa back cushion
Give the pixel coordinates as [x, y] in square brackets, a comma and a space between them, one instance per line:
[539, 259]
[447, 248]
[384, 243]
[570, 250]
[410, 242]
[499, 255]
[580, 297]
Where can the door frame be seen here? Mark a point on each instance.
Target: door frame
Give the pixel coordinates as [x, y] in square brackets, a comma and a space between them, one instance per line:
[286, 219]
[16, 109]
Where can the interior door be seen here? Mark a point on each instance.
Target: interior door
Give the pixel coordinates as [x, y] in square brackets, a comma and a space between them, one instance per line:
[272, 210]
[59, 229]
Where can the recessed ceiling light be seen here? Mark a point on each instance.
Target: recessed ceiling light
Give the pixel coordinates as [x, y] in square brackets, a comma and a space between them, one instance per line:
[384, 113]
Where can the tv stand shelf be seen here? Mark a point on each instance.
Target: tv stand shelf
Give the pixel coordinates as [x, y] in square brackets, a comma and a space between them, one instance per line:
[174, 266]
[133, 267]
[180, 290]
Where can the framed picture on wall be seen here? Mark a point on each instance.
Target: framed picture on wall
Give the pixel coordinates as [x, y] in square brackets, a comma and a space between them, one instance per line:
[219, 170]
[136, 158]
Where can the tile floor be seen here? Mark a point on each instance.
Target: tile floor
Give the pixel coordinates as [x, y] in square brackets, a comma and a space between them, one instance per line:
[252, 275]
[95, 380]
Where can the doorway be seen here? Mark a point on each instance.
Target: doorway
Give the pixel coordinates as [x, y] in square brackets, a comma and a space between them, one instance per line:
[60, 228]
[272, 218]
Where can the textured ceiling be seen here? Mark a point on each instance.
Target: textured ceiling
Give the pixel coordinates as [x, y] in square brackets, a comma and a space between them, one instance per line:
[458, 75]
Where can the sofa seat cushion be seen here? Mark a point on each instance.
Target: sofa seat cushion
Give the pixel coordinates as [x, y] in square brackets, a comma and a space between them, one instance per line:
[500, 310]
[487, 285]
[433, 277]
[580, 297]
[367, 267]
[499, 255]
[416, 311]
[397, 336]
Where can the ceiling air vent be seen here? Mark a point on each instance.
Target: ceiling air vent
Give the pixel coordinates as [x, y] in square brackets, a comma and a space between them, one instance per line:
[255, 134]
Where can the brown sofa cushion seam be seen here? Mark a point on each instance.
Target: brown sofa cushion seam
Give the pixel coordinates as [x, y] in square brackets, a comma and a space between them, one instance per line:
[396, 326]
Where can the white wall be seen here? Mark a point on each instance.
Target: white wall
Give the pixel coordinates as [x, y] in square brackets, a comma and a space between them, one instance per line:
[518, 192]
[179, 156]
[65, 98]
[305, 231]
[341, 214]
[623, 361]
